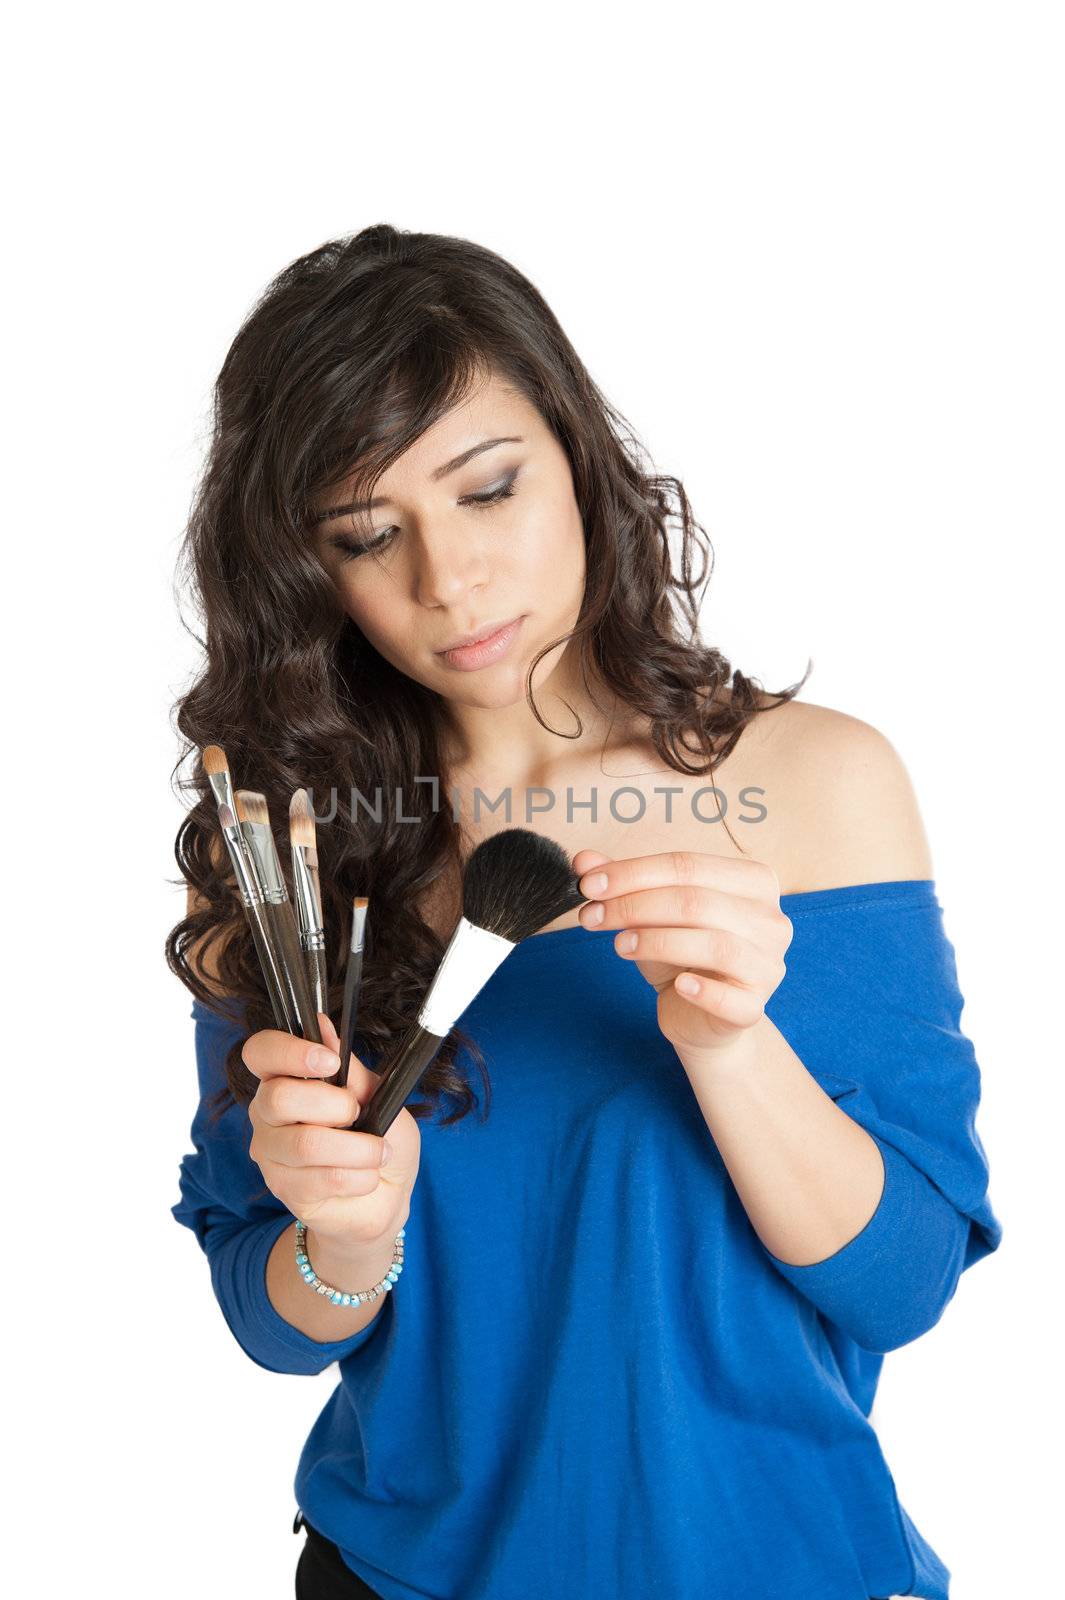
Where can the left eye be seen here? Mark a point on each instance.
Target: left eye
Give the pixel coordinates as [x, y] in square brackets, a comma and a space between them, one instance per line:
[489, 497]
[351, 548]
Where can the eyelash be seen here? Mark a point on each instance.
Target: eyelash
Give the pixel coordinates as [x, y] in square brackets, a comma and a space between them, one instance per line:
[350, 549]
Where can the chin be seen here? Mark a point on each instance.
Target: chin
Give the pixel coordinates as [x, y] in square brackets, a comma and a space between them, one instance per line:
[507, 690]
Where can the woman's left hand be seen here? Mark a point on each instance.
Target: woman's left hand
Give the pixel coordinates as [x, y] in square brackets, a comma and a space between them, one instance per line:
[713, 919]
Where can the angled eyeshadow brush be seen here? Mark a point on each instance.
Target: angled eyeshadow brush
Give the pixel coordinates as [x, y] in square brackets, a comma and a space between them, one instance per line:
[512, 884]
[352, 984]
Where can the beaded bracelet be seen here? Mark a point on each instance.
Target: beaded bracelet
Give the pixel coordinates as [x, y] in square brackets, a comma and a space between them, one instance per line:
[340, 1297]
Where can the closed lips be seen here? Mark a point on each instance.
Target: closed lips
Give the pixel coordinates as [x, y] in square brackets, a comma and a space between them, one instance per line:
[477, 638]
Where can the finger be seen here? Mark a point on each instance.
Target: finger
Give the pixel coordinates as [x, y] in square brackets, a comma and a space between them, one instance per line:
[682, 906]
[306, 1188]
[361, 1078]
[585, 860]
[280, 1101]
[272, 1053]
[331, 1040]
[726, 1001]
[330, 1037]
[735, 875]
[717, 950]
[305, 1144]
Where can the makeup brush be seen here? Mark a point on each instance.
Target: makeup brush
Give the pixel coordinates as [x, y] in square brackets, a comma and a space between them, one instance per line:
[254, 816]
[513, 883]
[250, 889]
[307, 893]
[352, 984]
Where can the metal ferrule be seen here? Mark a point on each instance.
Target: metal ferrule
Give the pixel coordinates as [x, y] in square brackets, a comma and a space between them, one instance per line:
[358, 927]
[465, 967]
[246, 882]
[264, 854]
[222, 789]
[316, 884]
[312, 934]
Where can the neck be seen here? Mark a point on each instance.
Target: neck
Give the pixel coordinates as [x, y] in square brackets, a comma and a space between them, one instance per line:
[508, 746]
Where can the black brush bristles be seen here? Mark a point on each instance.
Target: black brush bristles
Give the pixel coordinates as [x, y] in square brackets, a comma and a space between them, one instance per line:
[517, 881]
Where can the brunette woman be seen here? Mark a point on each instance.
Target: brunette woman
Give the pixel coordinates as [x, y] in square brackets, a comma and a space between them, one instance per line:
[699, 1154]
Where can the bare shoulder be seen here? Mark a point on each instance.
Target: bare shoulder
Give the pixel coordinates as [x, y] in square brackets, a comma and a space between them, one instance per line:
[842, 807]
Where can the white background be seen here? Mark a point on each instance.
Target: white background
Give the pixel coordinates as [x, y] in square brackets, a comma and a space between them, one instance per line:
[814, 254]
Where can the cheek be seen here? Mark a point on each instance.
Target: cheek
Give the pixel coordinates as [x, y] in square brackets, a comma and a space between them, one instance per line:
[374, 614]
[572, 559]
[554, 552]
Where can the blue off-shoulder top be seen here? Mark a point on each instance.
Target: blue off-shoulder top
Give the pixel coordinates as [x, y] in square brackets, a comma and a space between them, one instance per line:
[592, 1378]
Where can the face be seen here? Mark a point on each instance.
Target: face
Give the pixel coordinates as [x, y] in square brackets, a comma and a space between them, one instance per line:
[465, 538]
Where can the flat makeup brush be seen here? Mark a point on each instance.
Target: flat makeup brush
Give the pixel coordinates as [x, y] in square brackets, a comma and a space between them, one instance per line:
[254, 816]
[250, 889]
[307, 893]
[352, 984]
[513, 883]
[255, 913]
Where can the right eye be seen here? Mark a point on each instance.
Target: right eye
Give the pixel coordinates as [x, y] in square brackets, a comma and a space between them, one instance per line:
[351, 549]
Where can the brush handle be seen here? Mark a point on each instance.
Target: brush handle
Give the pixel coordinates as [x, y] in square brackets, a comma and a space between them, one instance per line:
[352, 982]
[250, 895]
[286, 942]
[399, 1082]
[269, 967]
[317, 979]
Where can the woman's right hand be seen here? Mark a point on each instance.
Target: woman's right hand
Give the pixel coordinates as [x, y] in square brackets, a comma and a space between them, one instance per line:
[328, 1174]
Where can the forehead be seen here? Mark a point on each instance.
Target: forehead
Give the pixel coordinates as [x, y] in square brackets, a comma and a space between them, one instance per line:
[492, 409]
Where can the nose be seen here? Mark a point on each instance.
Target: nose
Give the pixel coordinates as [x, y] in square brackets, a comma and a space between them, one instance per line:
[449, 568]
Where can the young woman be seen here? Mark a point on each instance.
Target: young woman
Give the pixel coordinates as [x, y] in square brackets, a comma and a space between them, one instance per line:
[655, 1234]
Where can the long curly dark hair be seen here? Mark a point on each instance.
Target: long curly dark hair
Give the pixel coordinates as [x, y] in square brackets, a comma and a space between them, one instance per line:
[351, 353]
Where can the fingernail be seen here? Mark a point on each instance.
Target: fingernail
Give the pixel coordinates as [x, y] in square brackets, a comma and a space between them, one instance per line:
[594, 883]
[319, 1059]
[386, 1154]
[591, 914]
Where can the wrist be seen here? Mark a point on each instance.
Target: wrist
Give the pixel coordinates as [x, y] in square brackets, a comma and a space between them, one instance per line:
[352, 1265]
[738, 1055]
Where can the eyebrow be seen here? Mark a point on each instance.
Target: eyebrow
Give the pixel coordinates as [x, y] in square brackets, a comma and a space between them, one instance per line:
[440, 472]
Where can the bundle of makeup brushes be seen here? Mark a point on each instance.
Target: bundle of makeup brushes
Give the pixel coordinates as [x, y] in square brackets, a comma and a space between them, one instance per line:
[291, 953]
[513, 883]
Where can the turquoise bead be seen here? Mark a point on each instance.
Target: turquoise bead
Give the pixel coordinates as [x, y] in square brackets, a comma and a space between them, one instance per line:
[340, 1297]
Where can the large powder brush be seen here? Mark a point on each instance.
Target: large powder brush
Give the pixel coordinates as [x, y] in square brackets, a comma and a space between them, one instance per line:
[513, 883]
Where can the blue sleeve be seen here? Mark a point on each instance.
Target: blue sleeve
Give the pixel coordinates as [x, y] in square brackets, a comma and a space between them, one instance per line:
[237, 1219]
[882, 1035]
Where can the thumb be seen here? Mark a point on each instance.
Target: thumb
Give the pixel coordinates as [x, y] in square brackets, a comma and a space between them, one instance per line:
[361, 1080]
[330, 1037]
